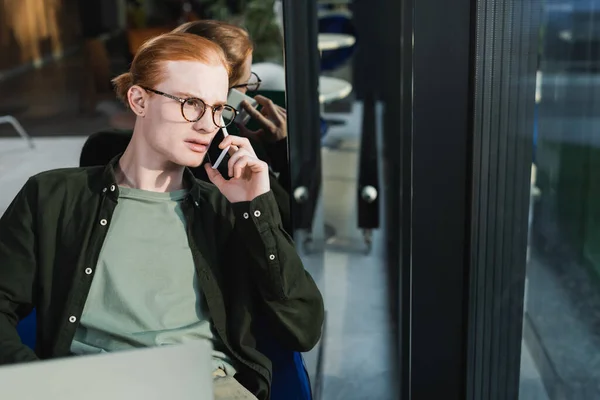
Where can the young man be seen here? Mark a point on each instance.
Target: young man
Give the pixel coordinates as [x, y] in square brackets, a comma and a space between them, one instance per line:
[139, 253]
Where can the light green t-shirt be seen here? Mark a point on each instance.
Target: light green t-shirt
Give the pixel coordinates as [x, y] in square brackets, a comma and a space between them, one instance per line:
[145, 289]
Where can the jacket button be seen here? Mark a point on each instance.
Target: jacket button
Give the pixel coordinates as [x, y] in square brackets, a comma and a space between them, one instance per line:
[104, 190]
[72, 319]
[103, 222]
[246, 216]
[196, 203]
[257, 213]
[272, 257]
[88, 271]
[112, 188]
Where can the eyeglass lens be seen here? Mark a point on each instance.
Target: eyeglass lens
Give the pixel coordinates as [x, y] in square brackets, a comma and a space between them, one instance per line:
[194, 109]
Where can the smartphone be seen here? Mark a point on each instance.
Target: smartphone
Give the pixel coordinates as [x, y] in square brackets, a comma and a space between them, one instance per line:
[234, 99]
[218, 159]
[214, 152]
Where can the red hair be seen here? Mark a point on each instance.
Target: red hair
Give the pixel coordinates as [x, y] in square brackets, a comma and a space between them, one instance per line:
[147, 68]
[233, 39]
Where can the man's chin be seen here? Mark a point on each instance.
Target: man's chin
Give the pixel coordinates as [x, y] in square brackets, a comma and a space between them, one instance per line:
[193, 161]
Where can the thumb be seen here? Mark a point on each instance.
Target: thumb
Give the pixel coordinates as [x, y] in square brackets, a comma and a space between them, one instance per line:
[214, 175]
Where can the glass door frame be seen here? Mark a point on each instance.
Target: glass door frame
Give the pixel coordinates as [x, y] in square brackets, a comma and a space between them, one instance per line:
[302, 65]
[460, 193]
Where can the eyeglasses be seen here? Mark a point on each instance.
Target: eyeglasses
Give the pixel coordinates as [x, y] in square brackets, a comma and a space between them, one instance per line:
[193, 108]
[252, 85]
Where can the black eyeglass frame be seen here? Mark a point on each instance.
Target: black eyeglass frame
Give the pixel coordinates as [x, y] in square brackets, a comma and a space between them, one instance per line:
[247, 84]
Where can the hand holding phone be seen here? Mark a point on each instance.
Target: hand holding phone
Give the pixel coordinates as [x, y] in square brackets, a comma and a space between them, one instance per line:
[272, 120]
[225, 150]
[235, 99]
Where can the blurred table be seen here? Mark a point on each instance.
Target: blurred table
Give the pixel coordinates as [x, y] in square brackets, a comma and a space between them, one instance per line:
[334, 41]
[273, 78]
[332, 89]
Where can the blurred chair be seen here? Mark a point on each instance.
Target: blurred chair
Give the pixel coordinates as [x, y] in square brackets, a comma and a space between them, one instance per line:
[9, 119]
[27, 330]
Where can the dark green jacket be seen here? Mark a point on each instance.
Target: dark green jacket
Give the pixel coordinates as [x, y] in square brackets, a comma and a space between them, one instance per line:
[248, 269]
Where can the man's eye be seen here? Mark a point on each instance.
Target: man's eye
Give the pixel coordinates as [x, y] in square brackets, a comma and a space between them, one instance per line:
[194, 103]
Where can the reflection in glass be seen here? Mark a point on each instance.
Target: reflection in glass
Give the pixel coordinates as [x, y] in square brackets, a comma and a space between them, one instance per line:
[561, 352]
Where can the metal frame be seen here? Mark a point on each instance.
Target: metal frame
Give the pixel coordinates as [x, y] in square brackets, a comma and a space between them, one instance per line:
[302, 102]
[394, 88]
[368, 187]
[433, 311]
[504, 93]
[304, 140]
[462, 193]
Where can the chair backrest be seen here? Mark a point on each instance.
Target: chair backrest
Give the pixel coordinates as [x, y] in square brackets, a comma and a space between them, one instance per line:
[290, 378]
[27, 330]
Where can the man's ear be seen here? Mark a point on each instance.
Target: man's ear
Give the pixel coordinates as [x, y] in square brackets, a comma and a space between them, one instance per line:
[137, 98]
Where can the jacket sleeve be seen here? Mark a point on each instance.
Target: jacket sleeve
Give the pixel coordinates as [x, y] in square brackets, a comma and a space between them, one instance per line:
[17, 273]
[292, 301]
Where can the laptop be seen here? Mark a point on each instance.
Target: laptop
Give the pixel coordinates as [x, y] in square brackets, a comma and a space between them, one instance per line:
[182, 372]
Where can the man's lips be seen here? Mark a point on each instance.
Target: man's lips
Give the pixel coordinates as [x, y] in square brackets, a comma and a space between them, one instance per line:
[197, 146]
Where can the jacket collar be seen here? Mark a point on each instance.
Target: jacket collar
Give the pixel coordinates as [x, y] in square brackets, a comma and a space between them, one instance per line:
[110, 187]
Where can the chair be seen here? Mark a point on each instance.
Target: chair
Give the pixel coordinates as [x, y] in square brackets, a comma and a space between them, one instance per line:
[27, 330]
[290, 378]
[9, 119]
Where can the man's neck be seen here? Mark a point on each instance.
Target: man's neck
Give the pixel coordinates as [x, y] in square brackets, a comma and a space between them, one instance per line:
[139, 169]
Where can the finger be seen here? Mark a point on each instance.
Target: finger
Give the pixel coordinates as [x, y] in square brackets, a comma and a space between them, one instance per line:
[263, 119]
[232, 150]
[265, 102]
[234, 140]
[280, 116]
[233, 159]
[268, 109]
[254, 113]
[247, 161]
[214, 175]
[238, 168]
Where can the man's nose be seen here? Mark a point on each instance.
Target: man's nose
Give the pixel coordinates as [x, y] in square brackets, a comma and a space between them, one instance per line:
[205, 124]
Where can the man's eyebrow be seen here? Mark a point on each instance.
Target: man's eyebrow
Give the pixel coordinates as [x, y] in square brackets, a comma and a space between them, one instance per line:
[186, 95]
